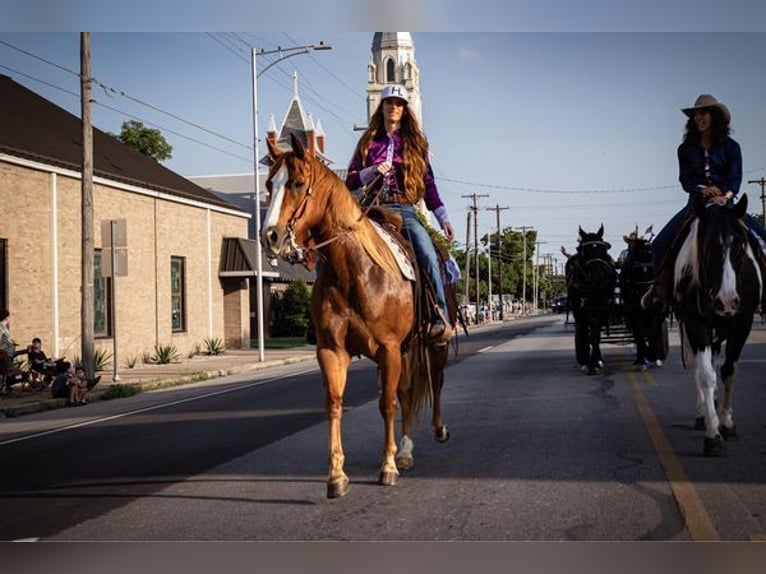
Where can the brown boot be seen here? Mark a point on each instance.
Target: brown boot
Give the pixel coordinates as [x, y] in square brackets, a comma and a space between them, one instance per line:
[440, 333]
[657, 295]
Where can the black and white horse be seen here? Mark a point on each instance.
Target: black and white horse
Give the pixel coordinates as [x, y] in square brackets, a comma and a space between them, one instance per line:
[717, 288]
[591, 278]
[647, 326]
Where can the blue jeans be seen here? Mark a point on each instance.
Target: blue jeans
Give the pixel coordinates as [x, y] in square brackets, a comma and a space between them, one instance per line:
[428, 260]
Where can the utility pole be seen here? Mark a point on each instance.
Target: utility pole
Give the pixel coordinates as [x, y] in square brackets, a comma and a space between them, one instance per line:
[536, 274]
[467, 258]
[523, 230]
[497, 209]
[762, 183]
[475, 209]
[88, 242]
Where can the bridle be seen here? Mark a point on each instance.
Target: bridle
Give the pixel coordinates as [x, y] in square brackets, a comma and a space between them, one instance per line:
[298, 253]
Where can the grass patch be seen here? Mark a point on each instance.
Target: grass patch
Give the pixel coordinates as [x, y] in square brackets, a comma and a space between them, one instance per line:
[119, 391]
[279, 342]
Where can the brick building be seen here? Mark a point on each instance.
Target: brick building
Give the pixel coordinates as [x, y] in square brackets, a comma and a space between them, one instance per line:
[176, 291]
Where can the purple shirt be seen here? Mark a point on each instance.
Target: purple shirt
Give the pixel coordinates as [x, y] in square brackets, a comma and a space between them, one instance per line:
[359, 174]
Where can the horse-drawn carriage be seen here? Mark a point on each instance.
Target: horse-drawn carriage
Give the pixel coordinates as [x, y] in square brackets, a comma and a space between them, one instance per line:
[605, 300]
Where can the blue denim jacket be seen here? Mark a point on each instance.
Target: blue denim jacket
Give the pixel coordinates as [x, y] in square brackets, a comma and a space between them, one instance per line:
[725, 167]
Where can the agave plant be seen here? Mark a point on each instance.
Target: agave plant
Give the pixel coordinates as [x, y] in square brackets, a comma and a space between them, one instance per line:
[214, 346]
[164, 354]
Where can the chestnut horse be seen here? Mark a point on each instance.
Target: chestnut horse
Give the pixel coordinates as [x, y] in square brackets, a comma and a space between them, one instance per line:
[361, 305]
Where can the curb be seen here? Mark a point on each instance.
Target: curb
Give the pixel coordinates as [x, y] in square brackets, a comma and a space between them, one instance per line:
[149, 384]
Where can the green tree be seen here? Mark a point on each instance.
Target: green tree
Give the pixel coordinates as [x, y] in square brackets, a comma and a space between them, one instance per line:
[290, 311]
[148, 141]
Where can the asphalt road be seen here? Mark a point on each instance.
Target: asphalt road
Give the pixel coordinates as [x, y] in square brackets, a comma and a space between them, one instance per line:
[538, 451]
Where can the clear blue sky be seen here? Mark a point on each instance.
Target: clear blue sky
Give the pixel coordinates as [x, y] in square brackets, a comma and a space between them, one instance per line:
[561, 127]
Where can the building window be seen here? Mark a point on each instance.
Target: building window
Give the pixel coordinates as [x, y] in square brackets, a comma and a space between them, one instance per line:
[178, 293]
[102, 299]
[390, 71]
[3, 276]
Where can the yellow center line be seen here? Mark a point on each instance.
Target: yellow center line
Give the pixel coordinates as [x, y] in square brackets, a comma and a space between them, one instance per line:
[649, 378]
[698, 523]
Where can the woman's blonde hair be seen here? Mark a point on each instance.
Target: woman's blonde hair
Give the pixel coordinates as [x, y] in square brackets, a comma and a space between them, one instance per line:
[414, 150]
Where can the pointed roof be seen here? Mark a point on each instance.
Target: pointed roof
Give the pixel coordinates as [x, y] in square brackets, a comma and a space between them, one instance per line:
[36, 129]
[392, 40]
[296, 122]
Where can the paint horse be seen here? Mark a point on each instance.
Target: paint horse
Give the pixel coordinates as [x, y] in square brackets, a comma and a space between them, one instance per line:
[718, 285]
[647, 326]
[591, 279]
[361, 305]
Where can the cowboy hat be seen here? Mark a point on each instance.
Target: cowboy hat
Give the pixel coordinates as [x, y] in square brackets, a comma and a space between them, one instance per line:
[706, 101]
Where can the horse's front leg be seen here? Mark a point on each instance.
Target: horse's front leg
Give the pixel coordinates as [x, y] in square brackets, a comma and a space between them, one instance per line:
[438, 362]
[334, 366]
[390, 363]
[705, 378]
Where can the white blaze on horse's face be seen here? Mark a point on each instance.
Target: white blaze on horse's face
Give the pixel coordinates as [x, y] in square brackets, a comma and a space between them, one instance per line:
[271, 237]
[727, 300]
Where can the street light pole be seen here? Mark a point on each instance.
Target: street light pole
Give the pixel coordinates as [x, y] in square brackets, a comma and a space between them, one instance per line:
[283, 54]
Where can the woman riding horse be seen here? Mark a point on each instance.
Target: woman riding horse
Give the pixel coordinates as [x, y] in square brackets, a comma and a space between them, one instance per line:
[362, 304]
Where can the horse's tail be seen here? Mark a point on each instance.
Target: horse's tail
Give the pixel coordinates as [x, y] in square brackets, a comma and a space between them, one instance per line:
[417, 374]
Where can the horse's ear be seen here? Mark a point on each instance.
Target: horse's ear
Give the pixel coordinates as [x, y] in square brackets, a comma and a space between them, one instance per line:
[741, 208]
[600, 231]
[580, 231]
[300, 151]
[274, 151]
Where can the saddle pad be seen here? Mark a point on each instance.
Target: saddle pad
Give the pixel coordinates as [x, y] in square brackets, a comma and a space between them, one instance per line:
[405, 265]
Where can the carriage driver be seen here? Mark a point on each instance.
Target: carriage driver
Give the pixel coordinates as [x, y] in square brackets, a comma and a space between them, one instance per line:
[393, 153]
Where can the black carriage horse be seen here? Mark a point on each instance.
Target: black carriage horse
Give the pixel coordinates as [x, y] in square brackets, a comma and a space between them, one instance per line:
[718, 285]
[647, 326]
[591, 278]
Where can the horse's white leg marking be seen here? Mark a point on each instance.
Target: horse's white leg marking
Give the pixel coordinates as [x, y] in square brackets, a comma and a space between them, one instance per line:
[705, 377]
[406, 446]
[727, 294]
[727, 411]
[277, 195]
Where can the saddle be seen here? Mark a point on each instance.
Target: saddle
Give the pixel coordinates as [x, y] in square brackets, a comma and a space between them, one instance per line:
[425, 297]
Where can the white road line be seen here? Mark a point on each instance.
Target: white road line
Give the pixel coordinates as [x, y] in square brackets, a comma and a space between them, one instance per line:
[149, 409]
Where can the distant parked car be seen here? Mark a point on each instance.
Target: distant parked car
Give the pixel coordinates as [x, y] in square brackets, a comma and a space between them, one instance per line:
[559, 305]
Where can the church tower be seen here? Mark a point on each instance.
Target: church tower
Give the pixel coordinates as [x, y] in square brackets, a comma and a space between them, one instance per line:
[393, 62]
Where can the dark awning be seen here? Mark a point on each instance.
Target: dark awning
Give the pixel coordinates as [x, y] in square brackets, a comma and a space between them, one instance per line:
[239, 258]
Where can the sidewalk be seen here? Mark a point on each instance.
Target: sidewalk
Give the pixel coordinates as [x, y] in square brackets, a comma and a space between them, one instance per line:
[22, 401]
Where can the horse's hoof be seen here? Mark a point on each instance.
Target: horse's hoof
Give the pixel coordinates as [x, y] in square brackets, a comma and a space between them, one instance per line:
[441, 434]
[404, 462]
[713, 446]
[594, 371]
[699, 423]
[387, 478]
[728, 433]
[658, 362]
[337, 489]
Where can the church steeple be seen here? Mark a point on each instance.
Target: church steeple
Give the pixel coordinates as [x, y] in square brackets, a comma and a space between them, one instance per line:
[393, 62]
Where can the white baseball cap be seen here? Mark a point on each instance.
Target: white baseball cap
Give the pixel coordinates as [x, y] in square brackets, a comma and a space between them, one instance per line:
[395, 91]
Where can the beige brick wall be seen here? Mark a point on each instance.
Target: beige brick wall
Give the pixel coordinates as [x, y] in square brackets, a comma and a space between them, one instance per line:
[157, 229]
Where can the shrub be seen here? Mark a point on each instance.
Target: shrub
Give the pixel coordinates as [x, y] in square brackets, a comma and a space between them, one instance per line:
[164, 354]
[214, 346]
[290, 311]
[119, 391]
[102, 359]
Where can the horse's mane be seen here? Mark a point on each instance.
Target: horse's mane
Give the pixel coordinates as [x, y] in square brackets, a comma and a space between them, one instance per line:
[687, 261]
[344, 213]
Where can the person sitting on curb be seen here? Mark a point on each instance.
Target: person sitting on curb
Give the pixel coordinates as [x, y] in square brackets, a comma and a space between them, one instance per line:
[73, 386]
